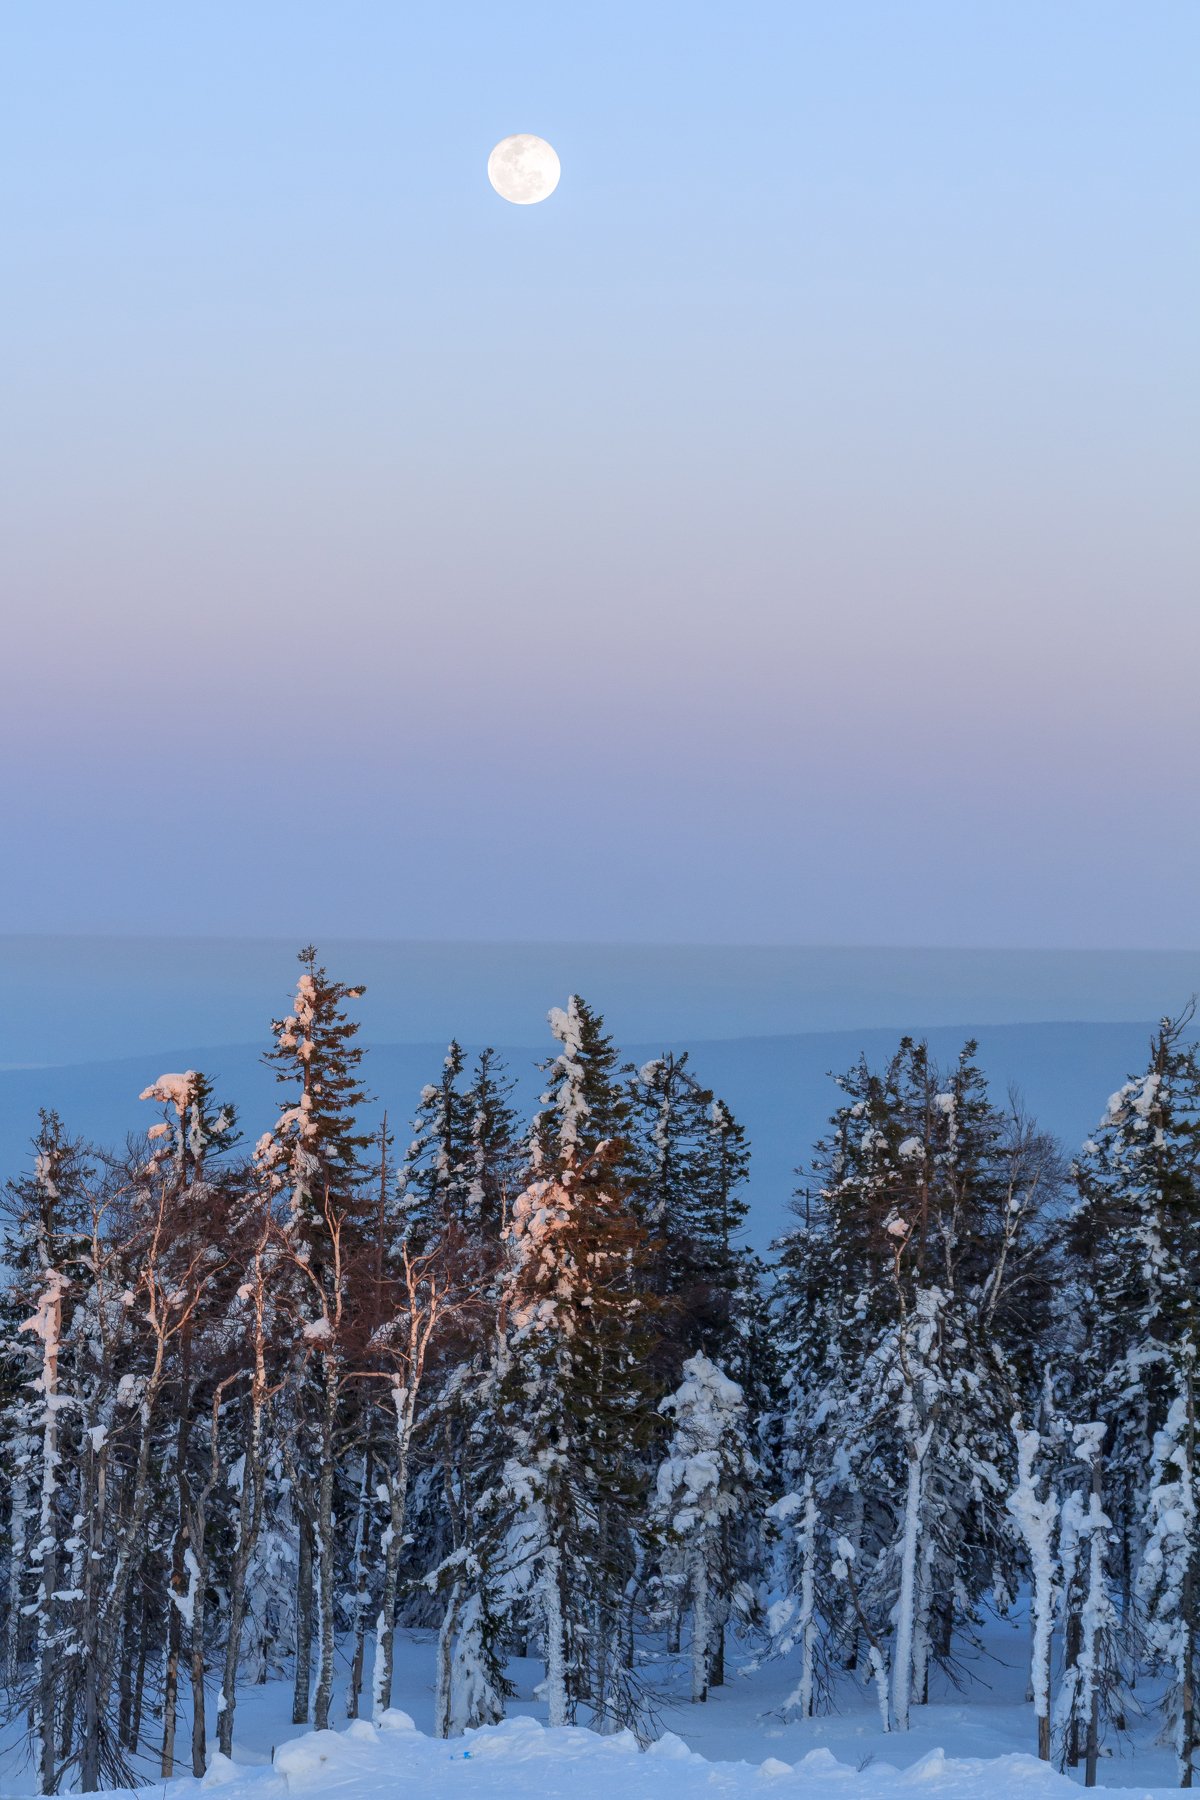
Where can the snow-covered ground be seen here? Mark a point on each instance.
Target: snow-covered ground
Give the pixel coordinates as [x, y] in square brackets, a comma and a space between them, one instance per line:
[974, 1744]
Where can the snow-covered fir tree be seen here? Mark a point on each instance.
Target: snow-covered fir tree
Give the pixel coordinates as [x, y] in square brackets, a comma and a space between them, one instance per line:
[1130, 1336]
[703, 1509]
[576, 1401]
[909, 1298]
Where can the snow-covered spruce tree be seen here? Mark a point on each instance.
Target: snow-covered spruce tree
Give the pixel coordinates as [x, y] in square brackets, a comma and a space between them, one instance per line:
[577, 1410]
[497, 1155]
[466, 1157]
[586, 1102]
[1168, 1573]
[704, 1508]
[45, 1253]
[316, 1157]
[151, 1277]
[576, 1404]
[803, 1328]
[435, 1178]
[743, 1339]
[722, 1210]
[466, 1163]
[692, 1161]
[483, 1160]
[922, 1266]
[189, 1145]
[484, 1601]
[1134, 1244]
[252, 1327]
[1129, 1328]
[195, 1125]
[427, 1292]
[669, 1112]
[464, 1516]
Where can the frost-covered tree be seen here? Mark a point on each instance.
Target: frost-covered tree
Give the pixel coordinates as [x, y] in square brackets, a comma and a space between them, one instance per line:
[575, 1400]
[47, 1266]
[316, 1158]
[586, 1102]
[910, 1301]
[195, 1125]
[483, 1590]
[691, 1162]
[466, 1157]
[703, 1507]
[496, 1151]
[576, 1408]
[435, 1178]
[1134, 1242]
[1168, 1573]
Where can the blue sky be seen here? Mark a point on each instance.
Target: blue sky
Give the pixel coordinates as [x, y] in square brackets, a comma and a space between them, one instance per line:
[785, 533]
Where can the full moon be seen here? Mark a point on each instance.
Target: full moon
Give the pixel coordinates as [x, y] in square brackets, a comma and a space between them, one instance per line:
[523, 169]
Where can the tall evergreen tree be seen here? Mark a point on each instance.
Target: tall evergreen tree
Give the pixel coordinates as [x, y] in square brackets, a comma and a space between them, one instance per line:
[703, 1507]
[46, 1251]
[922, 1256]
[436, 1176]
[317, 1149]
[1131, 1323]
[316, 1155]
[576, 1404]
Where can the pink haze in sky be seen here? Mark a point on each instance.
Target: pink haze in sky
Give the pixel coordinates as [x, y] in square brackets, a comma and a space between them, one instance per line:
[785, 533]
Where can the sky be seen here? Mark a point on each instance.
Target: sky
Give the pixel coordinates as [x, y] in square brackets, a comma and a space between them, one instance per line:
[786, 533]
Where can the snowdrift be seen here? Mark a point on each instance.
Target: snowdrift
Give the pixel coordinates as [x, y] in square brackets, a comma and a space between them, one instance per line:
[521, 1759]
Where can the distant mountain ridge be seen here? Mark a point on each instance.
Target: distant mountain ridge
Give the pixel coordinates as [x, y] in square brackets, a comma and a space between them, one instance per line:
[72, 1000]
[778, 1086]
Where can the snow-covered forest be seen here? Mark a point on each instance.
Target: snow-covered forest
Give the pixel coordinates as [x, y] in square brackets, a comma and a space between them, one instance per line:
[272, 1392]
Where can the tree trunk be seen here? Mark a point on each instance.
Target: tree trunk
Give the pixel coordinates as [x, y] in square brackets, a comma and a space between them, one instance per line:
[1073, 1641]
[139, 1679]
[171, 1685]
[554, 1645]
[805, 1693]
[125, 1671]
[361, 1596]
[385, 1624]
[89, 1749]
[304, 1601]
[325, 1548]
[443, 1707]
[199, 1722]
[700, 1631]
[1187, 1700]
[905, 1607]
[249, 1519]
[50, 1313]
